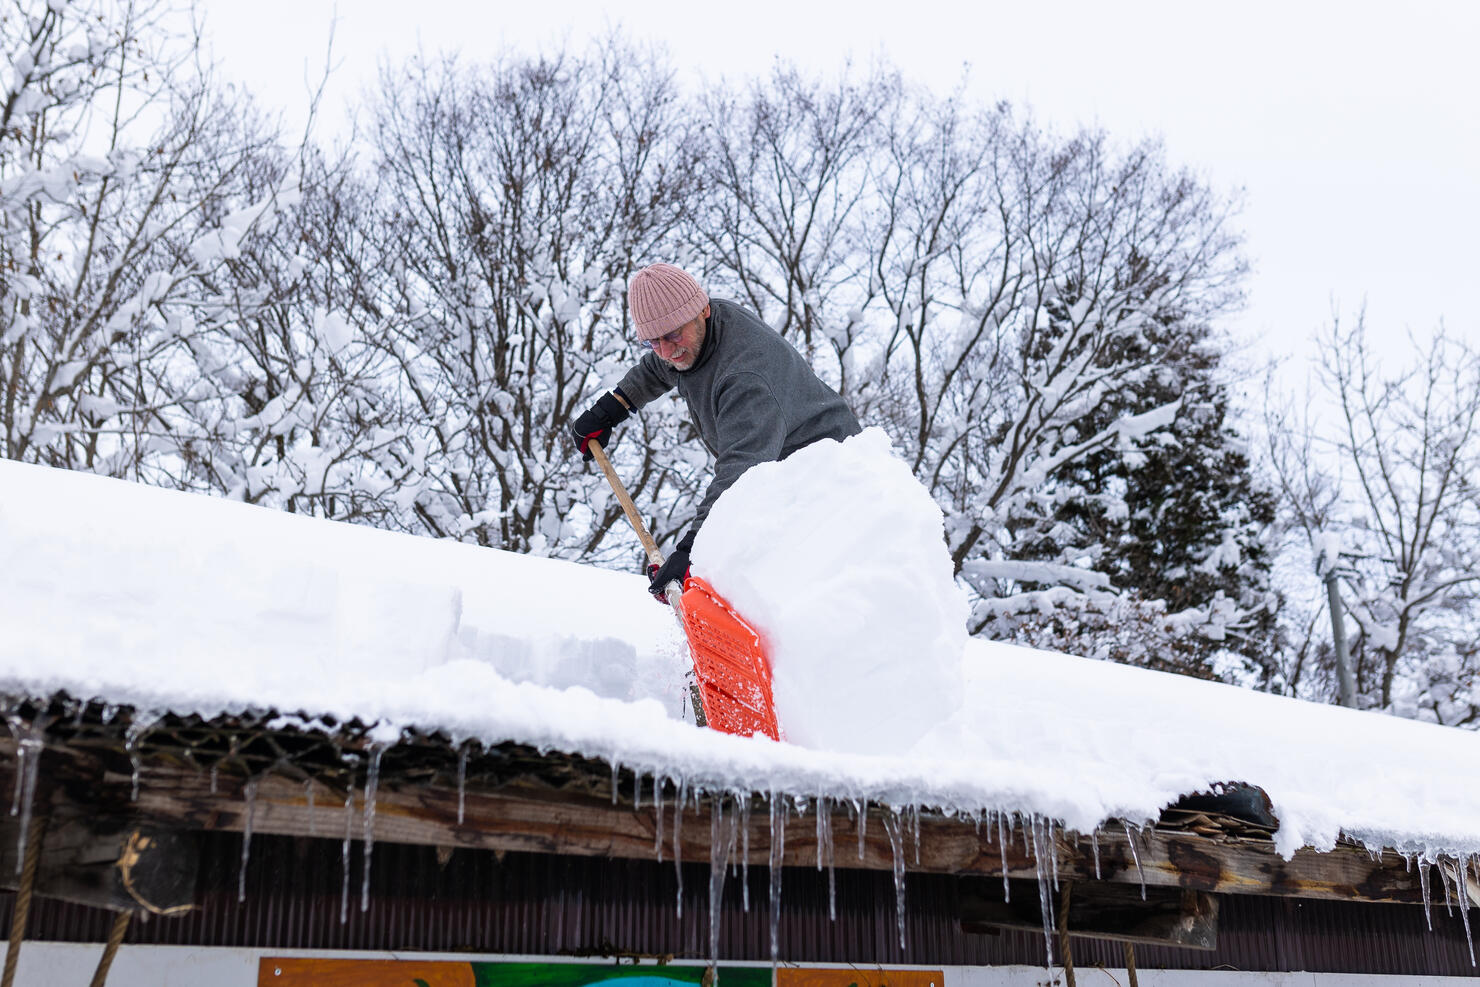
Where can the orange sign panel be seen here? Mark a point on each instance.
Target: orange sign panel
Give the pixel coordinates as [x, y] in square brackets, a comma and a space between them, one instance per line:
[324, 972]
[859, 978]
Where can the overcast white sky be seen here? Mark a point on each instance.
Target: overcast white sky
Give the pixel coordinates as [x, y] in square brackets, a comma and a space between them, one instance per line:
[1351, 126]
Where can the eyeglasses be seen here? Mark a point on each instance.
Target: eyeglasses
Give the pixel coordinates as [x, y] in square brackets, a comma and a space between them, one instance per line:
[671, 338]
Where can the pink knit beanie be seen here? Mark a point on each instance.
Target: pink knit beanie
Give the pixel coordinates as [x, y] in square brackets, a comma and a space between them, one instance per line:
[662, 298]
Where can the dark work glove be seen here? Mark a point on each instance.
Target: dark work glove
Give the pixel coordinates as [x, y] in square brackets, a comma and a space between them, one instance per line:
[676, 566]
[597, 423]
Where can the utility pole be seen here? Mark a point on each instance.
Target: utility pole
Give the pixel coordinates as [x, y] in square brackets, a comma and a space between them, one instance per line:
[1348, 686]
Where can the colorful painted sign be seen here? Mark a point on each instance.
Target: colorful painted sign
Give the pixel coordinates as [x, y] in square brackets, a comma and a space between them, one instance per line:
[329, 972]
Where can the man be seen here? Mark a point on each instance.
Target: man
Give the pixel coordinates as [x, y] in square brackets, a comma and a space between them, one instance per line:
[752, 395]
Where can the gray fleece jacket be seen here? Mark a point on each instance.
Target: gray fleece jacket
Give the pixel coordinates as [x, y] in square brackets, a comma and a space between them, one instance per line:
[752, 395]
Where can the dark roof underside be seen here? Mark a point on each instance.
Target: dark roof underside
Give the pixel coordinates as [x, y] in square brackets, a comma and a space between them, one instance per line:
[541, 904]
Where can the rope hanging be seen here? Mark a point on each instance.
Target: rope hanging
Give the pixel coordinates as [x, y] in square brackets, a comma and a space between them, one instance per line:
[23, 899]
[115, 939]
[1066, 954]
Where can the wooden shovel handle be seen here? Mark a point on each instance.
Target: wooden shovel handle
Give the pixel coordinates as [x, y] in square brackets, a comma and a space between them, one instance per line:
[674, 590]
[628, 508]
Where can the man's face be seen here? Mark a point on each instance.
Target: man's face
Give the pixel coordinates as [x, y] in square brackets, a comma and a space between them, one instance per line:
[680, 348]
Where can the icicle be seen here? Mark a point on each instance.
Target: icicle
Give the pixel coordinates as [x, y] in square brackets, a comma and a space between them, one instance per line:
[893, 828]
[372, 783]
[915, 826]
[249, 793]
[1027, 825]
[349, 828]
[142, 723]
[678, 805]
[1135, 856]
[721, 844]
[1094, 842]
[1041, 856]
[616, 777]
[862, 826]
[636, 790]
[832, 888]
[20, 756]
[31, 738]
[215, 771]
[1461, 895]
[1464, 906]
[1464, 914]
[825, 846]
[1002, 845]
[1053, 852]
[658, 816]
[313, 826]
[745, 851]
[778, 849]
[462, 783]
[1423, 881]
[819, 824]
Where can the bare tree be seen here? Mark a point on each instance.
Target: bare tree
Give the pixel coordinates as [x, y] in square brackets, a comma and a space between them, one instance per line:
[787, 189]
[985, 291]
[123, 170]
[1388, 494]
[1025, 280]
[515, 198]
[289, 399]
[403, 339]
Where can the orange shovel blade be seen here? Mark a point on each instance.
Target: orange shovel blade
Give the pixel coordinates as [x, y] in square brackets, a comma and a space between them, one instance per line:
[730, 663]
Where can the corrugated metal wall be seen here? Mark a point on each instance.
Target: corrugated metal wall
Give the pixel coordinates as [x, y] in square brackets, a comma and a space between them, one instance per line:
[547, 905]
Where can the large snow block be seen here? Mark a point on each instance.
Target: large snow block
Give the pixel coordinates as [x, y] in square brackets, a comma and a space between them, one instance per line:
[837, 556]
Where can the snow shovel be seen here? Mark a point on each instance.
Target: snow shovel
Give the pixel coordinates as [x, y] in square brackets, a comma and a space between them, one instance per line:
[730, 662]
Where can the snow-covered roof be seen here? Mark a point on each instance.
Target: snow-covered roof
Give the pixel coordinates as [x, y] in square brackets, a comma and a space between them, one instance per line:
[173, 602]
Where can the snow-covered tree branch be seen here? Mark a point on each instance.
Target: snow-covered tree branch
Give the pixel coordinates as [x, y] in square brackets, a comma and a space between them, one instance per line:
[1388, 497]
[514, 201]
[399, 332]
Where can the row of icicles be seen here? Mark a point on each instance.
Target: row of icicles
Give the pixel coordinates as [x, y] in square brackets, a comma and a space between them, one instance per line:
[730, 811]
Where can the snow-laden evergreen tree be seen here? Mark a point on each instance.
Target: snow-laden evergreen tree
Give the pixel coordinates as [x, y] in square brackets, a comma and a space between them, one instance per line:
[1036, 286]
[1180, 523]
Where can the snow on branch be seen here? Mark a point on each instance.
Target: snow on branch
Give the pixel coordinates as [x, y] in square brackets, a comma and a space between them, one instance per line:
[1034, 572]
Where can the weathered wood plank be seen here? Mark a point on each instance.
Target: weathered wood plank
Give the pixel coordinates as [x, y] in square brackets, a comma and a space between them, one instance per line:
[527, 816]
[1167, 916]
[109, 862]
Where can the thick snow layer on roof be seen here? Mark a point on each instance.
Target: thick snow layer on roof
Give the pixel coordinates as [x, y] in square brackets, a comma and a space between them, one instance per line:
[128, 594]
